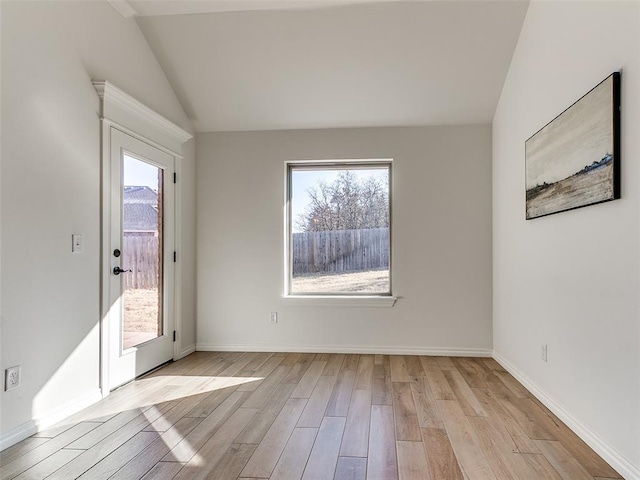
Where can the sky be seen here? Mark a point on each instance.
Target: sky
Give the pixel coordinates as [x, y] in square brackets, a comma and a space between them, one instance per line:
[578, 137]
[302, 180]
[138, 173]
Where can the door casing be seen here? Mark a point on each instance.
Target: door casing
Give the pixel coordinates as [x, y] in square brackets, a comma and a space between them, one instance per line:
[108, 129]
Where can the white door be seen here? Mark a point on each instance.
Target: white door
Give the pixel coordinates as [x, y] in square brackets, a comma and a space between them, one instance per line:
[141, 246]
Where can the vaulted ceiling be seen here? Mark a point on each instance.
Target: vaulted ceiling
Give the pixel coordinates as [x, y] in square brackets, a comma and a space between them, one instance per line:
[265, 65]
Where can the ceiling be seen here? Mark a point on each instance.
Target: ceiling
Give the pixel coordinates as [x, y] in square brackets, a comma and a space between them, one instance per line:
[331, 63]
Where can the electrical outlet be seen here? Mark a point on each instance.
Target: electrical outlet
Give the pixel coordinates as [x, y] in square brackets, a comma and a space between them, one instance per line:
[274, 317]
[11, 378]
[543, 352]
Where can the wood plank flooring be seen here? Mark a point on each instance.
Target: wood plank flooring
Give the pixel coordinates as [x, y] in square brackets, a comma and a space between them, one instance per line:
[312, 416]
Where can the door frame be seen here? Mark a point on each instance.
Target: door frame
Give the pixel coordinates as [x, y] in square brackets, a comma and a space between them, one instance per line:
[129, 363]
[117, 109]
[108, 126]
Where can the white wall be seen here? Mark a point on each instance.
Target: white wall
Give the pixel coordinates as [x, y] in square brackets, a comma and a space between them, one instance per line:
[571, 280]
[51, 188]
[441, 235]
[187, 249]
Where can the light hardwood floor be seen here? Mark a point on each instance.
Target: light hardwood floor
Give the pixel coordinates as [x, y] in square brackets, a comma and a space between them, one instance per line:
[312, 416]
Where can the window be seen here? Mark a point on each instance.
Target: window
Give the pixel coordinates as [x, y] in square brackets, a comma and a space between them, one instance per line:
[338, 228]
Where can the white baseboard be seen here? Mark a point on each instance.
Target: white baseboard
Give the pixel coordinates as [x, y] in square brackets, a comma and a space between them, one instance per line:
[591, 438]
[17, 434]
[35, 425]
[428, 351]
[187, 351]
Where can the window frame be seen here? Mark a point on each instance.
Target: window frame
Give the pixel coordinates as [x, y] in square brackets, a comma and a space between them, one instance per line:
[333, 298]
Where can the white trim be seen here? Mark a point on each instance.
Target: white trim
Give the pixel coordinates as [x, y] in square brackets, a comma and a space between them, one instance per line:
[427, 351]
[35, 425]
[187, 351]
[105, 263]
[333, 300]
[623, 466]
[339, 301]
[177, 265]
[122, 108]
[339, 161]
[135, 135]
[123, 8]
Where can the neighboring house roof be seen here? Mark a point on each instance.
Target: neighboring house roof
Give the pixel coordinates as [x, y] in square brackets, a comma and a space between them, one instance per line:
[139, 217]
[140, 194]
[140, 209]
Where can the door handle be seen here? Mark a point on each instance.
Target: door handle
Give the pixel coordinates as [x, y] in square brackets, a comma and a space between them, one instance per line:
[118, 271]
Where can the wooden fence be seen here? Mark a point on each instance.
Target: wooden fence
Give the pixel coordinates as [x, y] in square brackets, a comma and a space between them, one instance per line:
[340, 250]
[140, 254]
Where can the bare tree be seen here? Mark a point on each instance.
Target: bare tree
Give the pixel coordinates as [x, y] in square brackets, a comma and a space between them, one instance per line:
[347, 203]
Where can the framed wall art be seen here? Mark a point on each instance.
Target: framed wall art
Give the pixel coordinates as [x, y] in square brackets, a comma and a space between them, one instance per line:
[574, 160]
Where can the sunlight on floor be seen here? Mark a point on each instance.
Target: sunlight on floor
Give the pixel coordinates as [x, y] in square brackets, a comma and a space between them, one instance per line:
[154, 390]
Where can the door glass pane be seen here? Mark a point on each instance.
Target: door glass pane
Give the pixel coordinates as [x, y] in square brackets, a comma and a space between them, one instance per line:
[141, 252]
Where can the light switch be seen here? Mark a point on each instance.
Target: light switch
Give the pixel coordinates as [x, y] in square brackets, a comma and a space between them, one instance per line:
[76, 245]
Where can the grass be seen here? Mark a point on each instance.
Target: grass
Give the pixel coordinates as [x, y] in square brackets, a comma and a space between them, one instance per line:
[371, 281]
[141, 310]
[575, 191]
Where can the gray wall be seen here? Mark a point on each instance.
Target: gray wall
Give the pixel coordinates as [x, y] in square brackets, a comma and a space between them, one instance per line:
[571, 280]
[441, 242]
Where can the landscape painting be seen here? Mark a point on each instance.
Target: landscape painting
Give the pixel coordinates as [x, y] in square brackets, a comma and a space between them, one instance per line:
[574, 160]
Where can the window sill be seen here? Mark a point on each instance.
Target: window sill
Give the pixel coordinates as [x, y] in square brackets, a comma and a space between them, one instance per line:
[339, 301]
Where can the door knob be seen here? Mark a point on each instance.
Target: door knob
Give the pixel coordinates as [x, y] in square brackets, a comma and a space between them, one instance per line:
[118, 271]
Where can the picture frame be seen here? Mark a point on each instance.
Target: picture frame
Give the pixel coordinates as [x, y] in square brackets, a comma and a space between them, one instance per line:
[574, 160]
